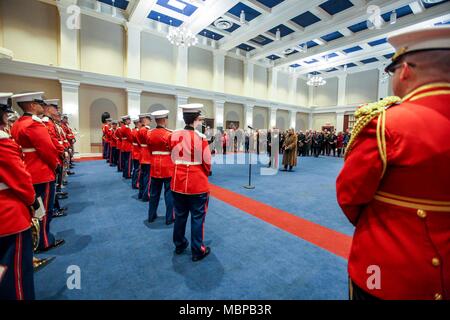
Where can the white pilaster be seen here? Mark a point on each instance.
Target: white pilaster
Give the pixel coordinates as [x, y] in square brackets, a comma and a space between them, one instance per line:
[293, 89]
[219, 113]
[219, 71]
[70, 103]
[273, 84]
[310, 120]
[342, 87]
[134, 102]
[180, 100]
[340, 121]
[292, 119]
[133, 66]
[383, 86]
[69, 34]
[181, 70]
[273, 117]
[249, 68]
[248, 116]
[311, 92]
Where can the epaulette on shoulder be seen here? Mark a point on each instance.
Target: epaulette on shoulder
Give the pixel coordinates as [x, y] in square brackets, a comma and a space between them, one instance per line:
[36, 118]
[200, 134]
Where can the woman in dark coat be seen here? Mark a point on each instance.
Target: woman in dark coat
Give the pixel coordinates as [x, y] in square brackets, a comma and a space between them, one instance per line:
[290, 150]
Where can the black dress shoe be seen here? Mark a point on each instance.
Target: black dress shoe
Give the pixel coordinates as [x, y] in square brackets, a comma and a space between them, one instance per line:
[168, 223]
[62, 193]
[59, 213]
[57, 244]
[152, 219]
[38, 264]
[70, 173]
[61, 197]
[180, 250]
[198, 258]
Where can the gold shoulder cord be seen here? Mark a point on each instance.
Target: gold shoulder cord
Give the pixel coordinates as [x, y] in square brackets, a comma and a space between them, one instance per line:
[367, 113]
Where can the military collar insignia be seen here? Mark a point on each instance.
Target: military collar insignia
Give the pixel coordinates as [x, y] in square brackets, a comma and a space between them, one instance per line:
[36, 118]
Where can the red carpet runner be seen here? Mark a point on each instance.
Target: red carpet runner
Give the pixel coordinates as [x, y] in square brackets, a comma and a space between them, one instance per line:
[328, 239]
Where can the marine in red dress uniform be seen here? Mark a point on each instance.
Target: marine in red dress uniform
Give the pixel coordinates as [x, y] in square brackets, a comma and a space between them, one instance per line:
[136, 154]
[189, 185]
[40, 159]
[113, 143]
[394, 186]
[118, 136]
[144, 173]
[158, 141]
[16, 197]
[127, 146]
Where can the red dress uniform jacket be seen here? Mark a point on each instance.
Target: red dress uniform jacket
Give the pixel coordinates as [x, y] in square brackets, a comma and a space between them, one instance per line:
[112, 137]
[136, 152]
[403, 218]
[105, 129]
[158, 141]
[118, 136]
[192, 159]
[16, 188]
[142, 140]
[40, 153]
[127, 138]
[70, 137]
[56, 138]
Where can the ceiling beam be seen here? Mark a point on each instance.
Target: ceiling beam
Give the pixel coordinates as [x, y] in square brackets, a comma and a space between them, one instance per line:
[411, 22]
[141, 11]
[416, 7]
[339, 21]
[257, 6]
[207, 14]
[280, 14]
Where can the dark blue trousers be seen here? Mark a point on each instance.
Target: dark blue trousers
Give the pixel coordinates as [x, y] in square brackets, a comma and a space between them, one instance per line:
[197, 205]
[155, 193]
[47, 192]
[126, 169]
[135, 174]
[113, 156]
[106, 151]
[144, 182]
[16, 267]
[119, 161]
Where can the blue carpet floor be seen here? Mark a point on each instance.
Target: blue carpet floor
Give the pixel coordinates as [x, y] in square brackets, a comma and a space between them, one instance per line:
[122, 257]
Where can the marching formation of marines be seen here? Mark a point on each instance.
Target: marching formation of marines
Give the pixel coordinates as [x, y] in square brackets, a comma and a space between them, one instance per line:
[155, 159]
[36, 157]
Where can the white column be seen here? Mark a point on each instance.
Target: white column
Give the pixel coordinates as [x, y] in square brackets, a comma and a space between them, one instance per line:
[219, 110]
[311, 92]
[273, 117]
[70, 104]
[342, 87]
[340, 121]
[180, 100]
[292, 119]
[133, 66]
[273, 84]
[68, 34]
[181, 68]
[383, 87]
[249, 68]
[219, 71]
[248, 116]
[134, 102]
[293, 89]
[310, 120]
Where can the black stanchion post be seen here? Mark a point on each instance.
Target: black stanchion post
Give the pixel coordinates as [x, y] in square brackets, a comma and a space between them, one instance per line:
[249, 186]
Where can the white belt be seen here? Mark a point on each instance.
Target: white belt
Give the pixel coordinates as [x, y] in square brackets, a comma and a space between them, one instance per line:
[28, 150]
[160, 153]
[124, 138]
[143, 145]
[66, 141]
[135, 144]
[3, 186]
[187, 163]
[60, 142]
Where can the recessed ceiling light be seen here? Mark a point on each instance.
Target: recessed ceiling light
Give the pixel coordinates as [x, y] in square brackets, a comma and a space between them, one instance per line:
[223, 24]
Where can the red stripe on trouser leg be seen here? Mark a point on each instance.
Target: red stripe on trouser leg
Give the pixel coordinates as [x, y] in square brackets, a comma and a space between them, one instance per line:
[18, 268]
[149, 184]
[130, 160]
[46, 200]
[203, 248]
[139, 176]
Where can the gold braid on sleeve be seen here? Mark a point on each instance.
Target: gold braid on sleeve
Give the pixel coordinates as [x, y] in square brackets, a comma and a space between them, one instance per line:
[367, 113]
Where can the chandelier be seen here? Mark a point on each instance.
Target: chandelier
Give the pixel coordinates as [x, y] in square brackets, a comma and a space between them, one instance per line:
[181, 37]
[315, 81]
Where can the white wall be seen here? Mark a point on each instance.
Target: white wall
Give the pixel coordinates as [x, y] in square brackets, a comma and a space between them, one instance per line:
[234, 76]
[157, 59]
[282, 119]
[326, 95]
[200, 69]
[154, 101]
[362, 87]
[283, 87]
[260, 82]
[30, 30]
[301, 121]
[321, 119]
[302, 93]
[260, 118]
[208, 107]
